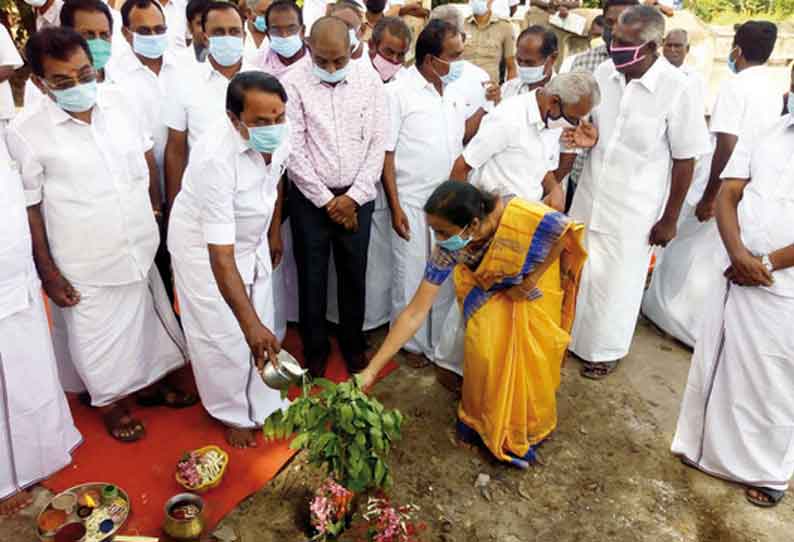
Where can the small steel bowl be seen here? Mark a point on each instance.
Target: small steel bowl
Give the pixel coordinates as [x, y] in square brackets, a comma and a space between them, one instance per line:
[184, 529]
[287, 373]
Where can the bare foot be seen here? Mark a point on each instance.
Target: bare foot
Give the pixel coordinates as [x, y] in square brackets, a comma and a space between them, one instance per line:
[15, 503]
[241, 438]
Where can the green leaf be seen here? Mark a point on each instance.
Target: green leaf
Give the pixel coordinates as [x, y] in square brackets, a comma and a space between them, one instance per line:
[346, 414]
[300, 441]
[324, 384]
[269, 430]
[380, 473]
[361, 440]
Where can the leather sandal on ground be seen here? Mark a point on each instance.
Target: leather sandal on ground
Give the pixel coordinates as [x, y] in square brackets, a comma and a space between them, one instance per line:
[773, 496]
[121, 426]
[598, 371]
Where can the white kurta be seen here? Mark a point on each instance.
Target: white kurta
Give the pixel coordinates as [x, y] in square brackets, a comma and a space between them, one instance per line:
[227, 198]
[91, 178]
[426, 136]
[643, 126]
[9, 56]
[685, 269]
[37, 433]
[737, 413]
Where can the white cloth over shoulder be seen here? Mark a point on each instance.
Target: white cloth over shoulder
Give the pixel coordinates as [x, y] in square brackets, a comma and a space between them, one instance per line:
[227, 198]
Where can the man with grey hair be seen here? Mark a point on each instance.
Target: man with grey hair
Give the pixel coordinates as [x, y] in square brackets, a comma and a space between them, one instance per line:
[650, 123]
[509, 156]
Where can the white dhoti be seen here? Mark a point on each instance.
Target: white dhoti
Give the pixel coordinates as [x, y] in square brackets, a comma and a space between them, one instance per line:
[123, 338]
[230, 388]
[737, 415]
[451, 345]
[610, 294]
[379, 269]
[285, 286]
[685, 272]
[37, 433]
[409, 259]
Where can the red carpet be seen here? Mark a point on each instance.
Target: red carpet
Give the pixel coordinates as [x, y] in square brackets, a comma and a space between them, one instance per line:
[145, 469]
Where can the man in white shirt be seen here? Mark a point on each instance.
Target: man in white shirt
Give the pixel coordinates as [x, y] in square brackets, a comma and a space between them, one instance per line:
[509, 155]
[195, 100]
[649, 121]
[737, 411]
[676, 49]
[144, 77]
[427, 127]
[9, 62]
[196, 41]
[176, 21]
[222, 260]
[37, 434]
[93, 197]
[256, 40]
[48, 12]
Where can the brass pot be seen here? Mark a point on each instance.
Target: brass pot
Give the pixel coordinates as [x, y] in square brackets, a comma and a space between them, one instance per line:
[184, 529]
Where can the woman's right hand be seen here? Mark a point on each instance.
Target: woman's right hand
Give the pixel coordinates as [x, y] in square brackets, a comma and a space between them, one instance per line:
[367, 378]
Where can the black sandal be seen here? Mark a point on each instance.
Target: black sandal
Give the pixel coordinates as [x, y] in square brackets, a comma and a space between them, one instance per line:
[598, 371]
[121, 426]
[773, 496]
[167, 396]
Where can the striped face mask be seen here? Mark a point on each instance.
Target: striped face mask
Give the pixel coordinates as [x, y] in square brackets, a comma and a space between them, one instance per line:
[623, 57]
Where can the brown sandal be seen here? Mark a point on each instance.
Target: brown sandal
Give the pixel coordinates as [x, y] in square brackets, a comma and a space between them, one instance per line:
[598, 371]
[121, 426]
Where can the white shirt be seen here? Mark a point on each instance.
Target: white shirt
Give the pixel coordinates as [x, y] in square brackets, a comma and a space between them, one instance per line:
[698, 80]
[176, 20]
[252, 53]
[9, 56]
[313, 10]
[643, 126]
[746, 105]
[501, 8]
[93, 182]
[51, 17]
[196, 99]
[471, 87]
[16, 256]
[425, 133]
[766, 212]
[148, 92]
[227, 198]
[508, 152]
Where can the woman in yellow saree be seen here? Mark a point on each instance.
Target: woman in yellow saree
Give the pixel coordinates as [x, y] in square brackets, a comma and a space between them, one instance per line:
[516, 268]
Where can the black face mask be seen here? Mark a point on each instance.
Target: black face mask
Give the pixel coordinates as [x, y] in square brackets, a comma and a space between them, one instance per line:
[376, 6]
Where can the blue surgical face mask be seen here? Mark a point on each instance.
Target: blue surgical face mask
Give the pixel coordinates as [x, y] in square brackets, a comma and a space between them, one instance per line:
[266, 138]
[100, 52]
[150, 46]
[226, 50]
[732, 63]
[790, 103]
[456, 242]
[479, 7]
[354, 41]
[286, 47]
[531, 74]
[77, 99]
[331, 78]
[455, 71]
[260, 23]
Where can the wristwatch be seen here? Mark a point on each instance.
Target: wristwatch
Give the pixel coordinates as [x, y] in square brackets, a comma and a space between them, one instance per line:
[767, 263]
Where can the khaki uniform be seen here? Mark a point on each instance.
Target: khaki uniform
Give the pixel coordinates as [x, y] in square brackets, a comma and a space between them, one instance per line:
[487, 46]
[569, 43]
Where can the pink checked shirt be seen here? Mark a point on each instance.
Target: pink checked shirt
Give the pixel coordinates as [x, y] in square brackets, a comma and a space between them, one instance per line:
[338, 133]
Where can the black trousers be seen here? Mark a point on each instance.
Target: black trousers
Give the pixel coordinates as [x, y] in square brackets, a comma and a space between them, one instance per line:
[313, 235]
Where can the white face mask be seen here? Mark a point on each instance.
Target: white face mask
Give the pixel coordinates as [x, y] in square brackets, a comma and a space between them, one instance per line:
[479, 7]
[531, 74]
[35, 3]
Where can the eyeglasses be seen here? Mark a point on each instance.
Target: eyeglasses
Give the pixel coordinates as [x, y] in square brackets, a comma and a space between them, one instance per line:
[64, 83]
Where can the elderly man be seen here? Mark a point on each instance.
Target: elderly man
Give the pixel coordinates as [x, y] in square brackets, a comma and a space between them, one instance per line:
[195, 99]
[489, 40]
[509, 153]
[388, 47]
[427, 129]
[588, 61]
[222, 261]
[649, 122]
[256, 41]
[86, 163]
[737, 411]
[333, 186]
[37, 433]
[676, 49]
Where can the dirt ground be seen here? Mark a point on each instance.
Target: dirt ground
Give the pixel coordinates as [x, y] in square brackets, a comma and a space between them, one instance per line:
[607, 474]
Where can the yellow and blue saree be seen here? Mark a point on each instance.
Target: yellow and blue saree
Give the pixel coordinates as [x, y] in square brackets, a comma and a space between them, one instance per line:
[514, 347]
